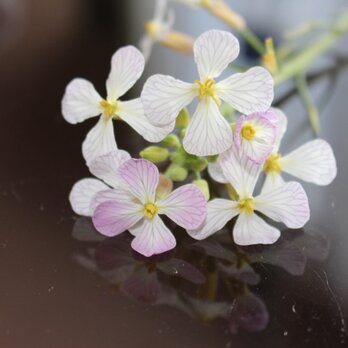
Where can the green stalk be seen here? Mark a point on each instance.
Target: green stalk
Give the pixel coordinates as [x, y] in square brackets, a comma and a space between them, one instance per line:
[253, 40]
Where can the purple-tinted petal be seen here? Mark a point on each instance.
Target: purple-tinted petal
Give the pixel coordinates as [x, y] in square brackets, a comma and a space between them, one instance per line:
[186, 206]
[140, 177]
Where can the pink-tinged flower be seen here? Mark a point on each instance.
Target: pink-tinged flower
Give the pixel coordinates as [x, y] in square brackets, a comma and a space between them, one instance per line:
[208, 133]
[81, 101]
[255, 135]
[135, 207]
[313, 162]
[287, 203]
[89, 192]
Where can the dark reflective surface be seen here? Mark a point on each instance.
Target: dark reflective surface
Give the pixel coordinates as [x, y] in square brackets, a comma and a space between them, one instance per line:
[64, 289]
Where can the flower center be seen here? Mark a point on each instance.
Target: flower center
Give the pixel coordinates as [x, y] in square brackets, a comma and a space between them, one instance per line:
[207, 88]
[248, 131]
[110, 108]
[272, 164]
[246, 205]
[153, 29]
[150, 210]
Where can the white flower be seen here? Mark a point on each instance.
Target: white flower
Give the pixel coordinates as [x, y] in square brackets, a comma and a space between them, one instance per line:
[208, 132]
[157, 28]
[286, 203]
[81, 101]
[312, 162]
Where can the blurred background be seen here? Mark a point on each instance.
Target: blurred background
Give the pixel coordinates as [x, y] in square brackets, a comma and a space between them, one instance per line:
[46, 300]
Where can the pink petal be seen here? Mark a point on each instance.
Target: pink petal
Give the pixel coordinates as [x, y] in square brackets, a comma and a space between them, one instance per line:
[186, 206]
[153, 238]
[113, 217]
[140, 177]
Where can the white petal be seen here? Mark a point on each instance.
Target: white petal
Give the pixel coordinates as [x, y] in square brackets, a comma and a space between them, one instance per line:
[220, 211]
[282, 124]
[132, 112]
[272, 180]
[216, 173]
[208, 132]
[153, 238]
[287, 203]
[213, 51]
[164, 97]
[106, 167]
[312, 162]
[186, 206]
[100, 140]
[127, 65]
[82, 193]
[240, 172]
[248, 92]
[251, 229]
[80, 101]
[140, 177]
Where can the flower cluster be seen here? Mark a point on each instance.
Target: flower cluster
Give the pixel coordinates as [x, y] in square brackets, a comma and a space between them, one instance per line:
[212, 146]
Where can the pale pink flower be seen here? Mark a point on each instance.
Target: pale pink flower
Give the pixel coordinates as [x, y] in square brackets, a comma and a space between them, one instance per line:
[287, 203]
[208, 133]
[81, 101]
[134, 207]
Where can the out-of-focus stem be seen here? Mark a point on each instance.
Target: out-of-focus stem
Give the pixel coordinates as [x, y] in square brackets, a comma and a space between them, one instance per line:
[253, 40]
[304, 93]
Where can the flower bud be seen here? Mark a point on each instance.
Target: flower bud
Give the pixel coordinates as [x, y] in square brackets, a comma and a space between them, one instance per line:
[164, 188]
[154, 154]
[183, 119]
[177, 173]
[171, 140]
[198, 164]
[203, 186]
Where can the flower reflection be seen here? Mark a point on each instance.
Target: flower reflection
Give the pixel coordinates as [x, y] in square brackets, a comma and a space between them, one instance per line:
[207, 280]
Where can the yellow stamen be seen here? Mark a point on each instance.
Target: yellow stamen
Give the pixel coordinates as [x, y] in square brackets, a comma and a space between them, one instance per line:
[150, 210]
[179, 42]
[110, 108]
[248, 131]
[272, 164]
[246, 205]
[269, 59]
[207, 88]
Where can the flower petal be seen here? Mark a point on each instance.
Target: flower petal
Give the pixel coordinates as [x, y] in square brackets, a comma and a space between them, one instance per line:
[186, 206]
[153, 238]
[140, 177]
[260, 146]
[106, 167]
[287, 203]
[82, 193]
[251, 229]
[109, 195]
[164, 97]
[127, 65]
[99, 141]
[80, 101]
[220, 211]
[312, 162]
[248, 92]
[216, 173]
[282, 124]
[240, 172]
[132, 112]
[208, 132]
[213, 51]
[272, 181]
[111, 218]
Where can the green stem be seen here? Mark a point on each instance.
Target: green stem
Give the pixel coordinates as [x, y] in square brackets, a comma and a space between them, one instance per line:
[304, 93]
[320, 46]
[253, 40]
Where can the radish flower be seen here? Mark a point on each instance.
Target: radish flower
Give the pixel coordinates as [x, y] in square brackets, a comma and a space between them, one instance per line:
[287, 203]
[134, 207]
[81, 101]
[208, 133]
